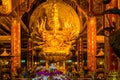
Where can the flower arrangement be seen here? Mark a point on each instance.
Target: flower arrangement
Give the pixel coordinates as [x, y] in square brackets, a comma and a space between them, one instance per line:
[53, 75]
[48, 73]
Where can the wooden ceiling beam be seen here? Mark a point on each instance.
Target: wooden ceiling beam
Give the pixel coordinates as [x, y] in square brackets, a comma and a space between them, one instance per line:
[98, 31]
[8, 19]
[5, 26]
[3, 38]
[24, 27]
[2, 31]
[22, 23]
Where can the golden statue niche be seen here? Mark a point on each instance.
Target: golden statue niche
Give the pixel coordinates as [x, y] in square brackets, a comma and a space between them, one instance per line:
[54, 28]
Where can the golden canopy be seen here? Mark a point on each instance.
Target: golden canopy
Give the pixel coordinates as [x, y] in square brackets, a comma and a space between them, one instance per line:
[54, 27]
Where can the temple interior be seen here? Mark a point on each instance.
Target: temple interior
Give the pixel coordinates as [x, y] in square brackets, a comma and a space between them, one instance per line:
[59, 40]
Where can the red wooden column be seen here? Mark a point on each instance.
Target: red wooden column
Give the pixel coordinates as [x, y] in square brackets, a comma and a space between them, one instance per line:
[15, 44]
[91, 44]
[29, 55]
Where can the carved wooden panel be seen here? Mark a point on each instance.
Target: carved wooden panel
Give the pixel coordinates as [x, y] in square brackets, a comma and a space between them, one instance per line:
[96, 7]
